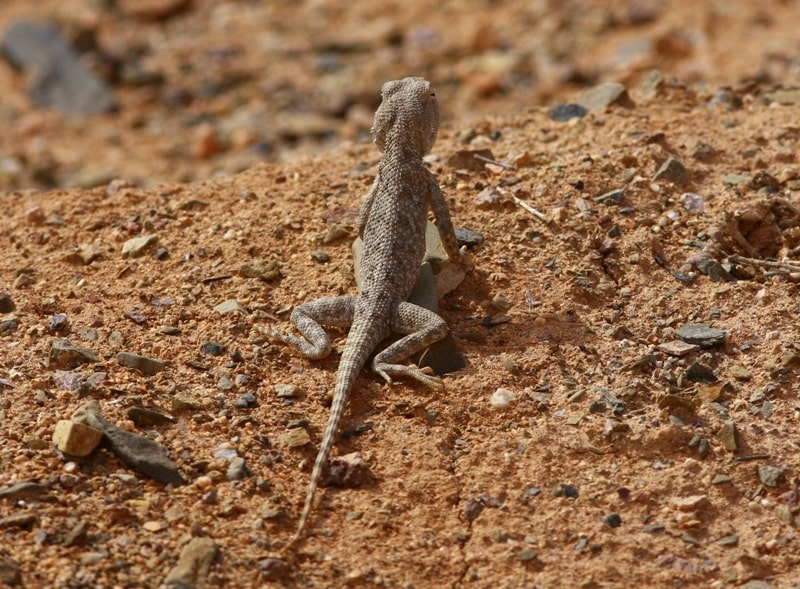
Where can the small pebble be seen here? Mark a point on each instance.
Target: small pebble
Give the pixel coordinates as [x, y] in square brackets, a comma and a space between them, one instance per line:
[731, 540]
[295, 437]
[136, 246]
[694, 203]
[245, 400]
[502, 398]
[143, 364]
[229, 306]
[286, 391]
[237, 469]
[527, 555]
[566, 111]
[320, 256]
[58, 324]
[727, 436]
[212, 348]
[771, 476]
[225, 383]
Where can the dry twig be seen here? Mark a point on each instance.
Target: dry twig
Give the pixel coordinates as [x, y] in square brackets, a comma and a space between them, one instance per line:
[789, 265]
[529, 208]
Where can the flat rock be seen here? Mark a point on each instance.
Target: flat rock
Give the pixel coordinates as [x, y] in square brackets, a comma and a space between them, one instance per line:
[76, 439]
[265, 270]
[701, 335]
[186, 402]
[604, 95]
[468, 237]
[67, 380]
[193, 565]
[24, 490]
[143, 364]
[691, 503]
[287, 391]
[136, 246]
[65, 356]
[229, 306]
[137, 451]
[59, 79]
[735, 179]
[678, 348]
[147, 417]
[296, 437]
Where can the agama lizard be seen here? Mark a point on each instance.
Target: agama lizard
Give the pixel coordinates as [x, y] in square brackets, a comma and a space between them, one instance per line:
[391, 224]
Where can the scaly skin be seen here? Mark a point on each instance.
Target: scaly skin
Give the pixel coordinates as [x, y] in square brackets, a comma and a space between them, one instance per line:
[391, 223]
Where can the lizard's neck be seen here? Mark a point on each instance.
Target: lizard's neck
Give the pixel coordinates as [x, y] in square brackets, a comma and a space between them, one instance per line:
[400, 143]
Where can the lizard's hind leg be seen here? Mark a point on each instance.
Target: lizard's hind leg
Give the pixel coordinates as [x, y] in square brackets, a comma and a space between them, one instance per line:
[309, 318]
[421, 328]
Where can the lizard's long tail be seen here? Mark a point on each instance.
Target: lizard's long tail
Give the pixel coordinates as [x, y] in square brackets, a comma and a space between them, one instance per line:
[362, 340]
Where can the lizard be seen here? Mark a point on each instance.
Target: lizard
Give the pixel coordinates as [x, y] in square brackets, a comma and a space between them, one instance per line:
[391, 223]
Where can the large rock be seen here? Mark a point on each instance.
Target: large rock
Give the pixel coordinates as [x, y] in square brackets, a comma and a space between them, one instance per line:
[137, 451]
[58, 77]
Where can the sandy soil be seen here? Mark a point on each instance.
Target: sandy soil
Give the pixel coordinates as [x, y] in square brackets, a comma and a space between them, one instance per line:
[609, 468]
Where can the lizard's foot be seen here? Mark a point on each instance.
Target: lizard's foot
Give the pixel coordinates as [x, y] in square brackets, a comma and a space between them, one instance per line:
[423, 375]
[465, 258]
[298, 345]
[424, 370]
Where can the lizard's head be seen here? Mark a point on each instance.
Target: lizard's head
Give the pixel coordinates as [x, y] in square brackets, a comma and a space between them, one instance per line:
[409, 112]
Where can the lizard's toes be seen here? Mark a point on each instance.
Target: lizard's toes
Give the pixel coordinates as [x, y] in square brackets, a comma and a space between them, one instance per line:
[385, 376]
[272, 334]
[425, 376]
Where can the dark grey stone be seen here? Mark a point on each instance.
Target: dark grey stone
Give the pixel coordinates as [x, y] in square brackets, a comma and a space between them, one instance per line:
[143, 364]
[137, 451]
[701, 334]
[673, 171]
[212, 348]
[566, 111]
[59, 78]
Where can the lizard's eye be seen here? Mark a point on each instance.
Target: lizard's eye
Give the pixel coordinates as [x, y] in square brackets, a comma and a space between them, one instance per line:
[433, 93]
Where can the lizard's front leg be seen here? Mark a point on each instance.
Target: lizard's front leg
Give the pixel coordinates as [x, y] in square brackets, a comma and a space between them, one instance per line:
[309, 318]
[422, 328]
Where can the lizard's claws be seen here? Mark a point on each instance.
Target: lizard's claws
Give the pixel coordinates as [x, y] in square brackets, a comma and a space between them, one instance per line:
[465, 258]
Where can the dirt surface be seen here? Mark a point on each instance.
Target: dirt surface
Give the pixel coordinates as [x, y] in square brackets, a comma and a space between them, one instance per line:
[615, 463]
